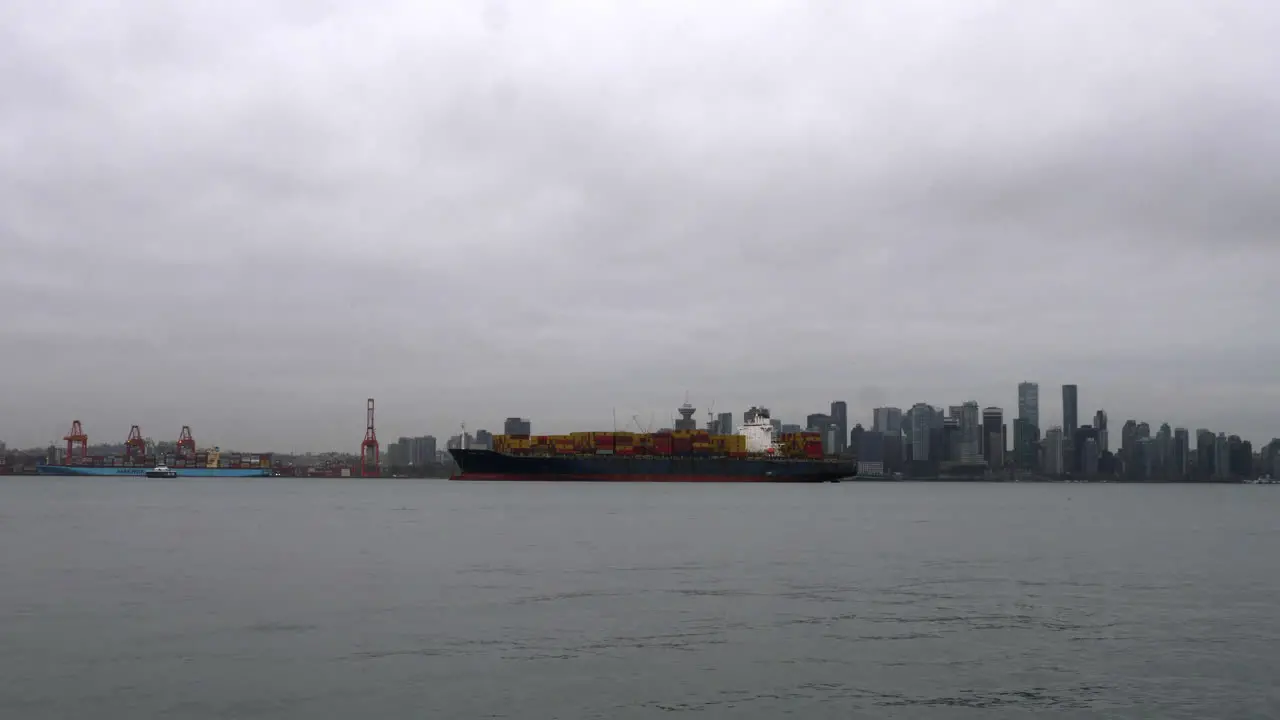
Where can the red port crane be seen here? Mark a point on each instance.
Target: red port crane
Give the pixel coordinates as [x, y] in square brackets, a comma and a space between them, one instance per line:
[135, 448]
[369, 449]
[186, 443]
[74, 438]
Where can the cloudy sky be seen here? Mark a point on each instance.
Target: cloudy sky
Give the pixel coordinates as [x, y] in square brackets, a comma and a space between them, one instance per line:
[250, 215]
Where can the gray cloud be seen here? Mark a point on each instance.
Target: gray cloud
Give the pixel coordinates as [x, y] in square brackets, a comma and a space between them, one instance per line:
[250, 216]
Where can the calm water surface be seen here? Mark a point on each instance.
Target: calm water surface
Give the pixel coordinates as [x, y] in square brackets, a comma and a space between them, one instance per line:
[220, 598]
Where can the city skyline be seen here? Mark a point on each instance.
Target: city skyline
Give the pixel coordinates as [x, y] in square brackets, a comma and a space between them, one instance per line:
[627, 421]
[250, 217]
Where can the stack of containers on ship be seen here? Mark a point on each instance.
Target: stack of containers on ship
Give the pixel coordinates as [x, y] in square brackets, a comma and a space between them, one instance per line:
[806, 445]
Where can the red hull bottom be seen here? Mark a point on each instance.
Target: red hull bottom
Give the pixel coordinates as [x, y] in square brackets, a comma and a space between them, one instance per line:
[633, 478]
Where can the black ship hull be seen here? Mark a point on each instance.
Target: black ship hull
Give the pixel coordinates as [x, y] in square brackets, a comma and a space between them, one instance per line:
[490, 465]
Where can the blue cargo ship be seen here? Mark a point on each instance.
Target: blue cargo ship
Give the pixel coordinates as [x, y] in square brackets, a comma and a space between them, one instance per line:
[117, 471]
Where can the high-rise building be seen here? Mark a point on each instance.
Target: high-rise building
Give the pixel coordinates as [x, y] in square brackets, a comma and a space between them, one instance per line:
[921, 424]
[1029, 403]
[1240, 457]
[777, 426]
[871, 452]
[1076, 458]
[1089, 456]
[1026, 440]
[817, 422]
[517, 426]
[831, 440]
[970, 432]
[1181, 464]
[484, 440]
[887, 420]
[400, 454]
[840, 418]
[992, 432]
[1146, 464]
[1222, 457]
[1053, 451]
[1100, 424]
[726, 424]
[1070, 421]
[1205, 452]
[855, 438]
[790, 428]
[1164, 450]
[950, 444]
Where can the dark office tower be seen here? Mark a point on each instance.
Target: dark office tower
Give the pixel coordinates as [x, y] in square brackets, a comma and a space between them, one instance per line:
[840, 418]
[725, 422]
[516, 426]
[1100, 424]
[951, 440]
[1070, 423]
[1240, 457]
[817, 422]
[1083, 435]
[992, 436]
[855, 440]
[1164, 450]
[1181, 454]
[887, 420]
[1129, 448]
[1029, 403]
[871, 448]
[1205, 454]
[1026, 441]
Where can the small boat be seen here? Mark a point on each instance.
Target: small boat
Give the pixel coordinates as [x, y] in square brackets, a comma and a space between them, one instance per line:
[162, 471]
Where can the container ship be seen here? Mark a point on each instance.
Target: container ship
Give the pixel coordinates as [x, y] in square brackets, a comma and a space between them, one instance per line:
[186, 461]
[680, 455]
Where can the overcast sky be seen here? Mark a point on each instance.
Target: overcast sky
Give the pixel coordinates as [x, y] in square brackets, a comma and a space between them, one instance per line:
[248, 216]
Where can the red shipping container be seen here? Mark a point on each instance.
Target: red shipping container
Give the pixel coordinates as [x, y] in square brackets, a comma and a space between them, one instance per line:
[681, 446]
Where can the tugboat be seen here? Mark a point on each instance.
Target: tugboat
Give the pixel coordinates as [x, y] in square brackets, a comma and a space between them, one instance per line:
[162, 471]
